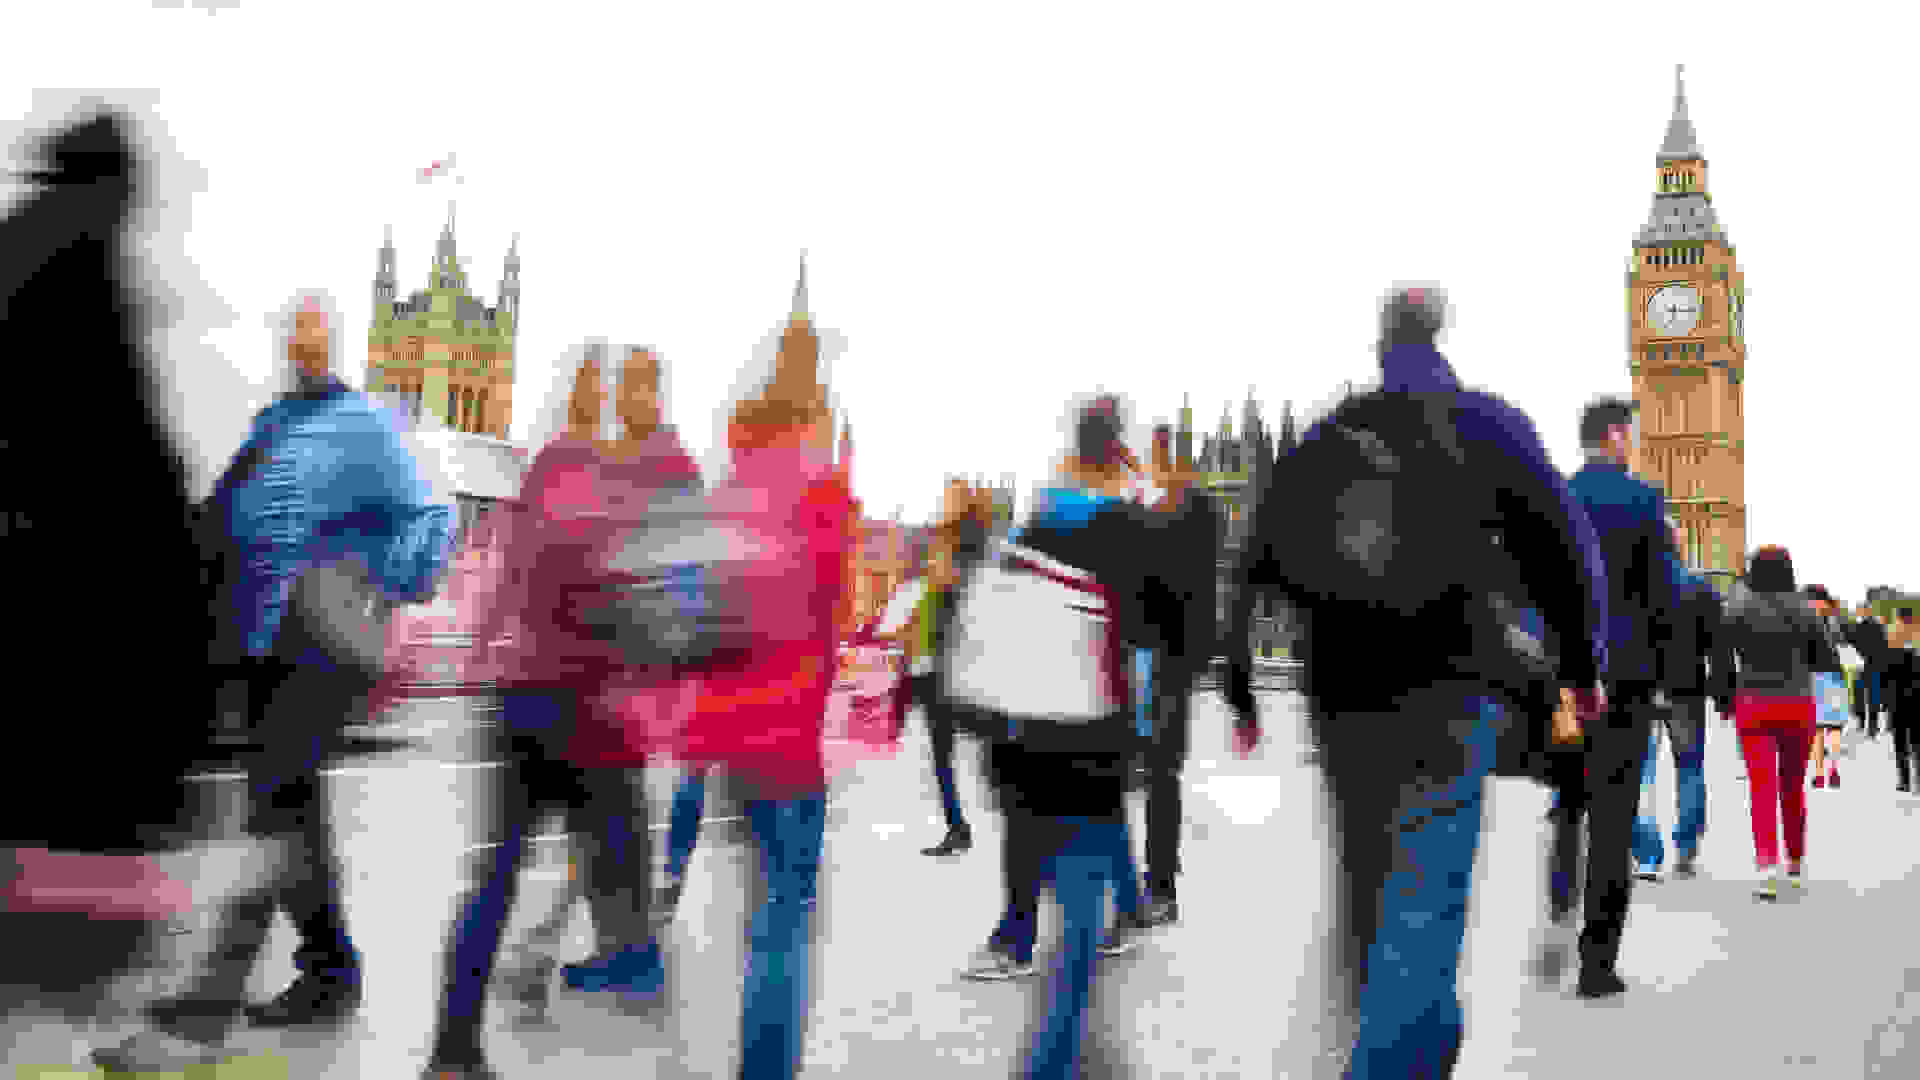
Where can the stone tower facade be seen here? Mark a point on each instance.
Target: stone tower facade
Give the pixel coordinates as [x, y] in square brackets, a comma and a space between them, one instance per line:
[442, 350]
[1687, 351]
[1232, 470]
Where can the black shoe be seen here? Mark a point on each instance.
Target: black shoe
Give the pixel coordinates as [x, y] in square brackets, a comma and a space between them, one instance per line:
[1122, 936]
[959, 841]
[1903, 788]
[1595, 985]
[1162, 911]
[311, 999]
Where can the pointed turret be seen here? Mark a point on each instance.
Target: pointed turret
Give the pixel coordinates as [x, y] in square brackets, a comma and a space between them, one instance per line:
[510, 285]
[1682, 216]
[800, 314]
[1183, 439]
[1681, 144]
[386, 282]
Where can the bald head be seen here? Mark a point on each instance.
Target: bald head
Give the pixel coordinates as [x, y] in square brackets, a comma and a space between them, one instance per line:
[1413, 315]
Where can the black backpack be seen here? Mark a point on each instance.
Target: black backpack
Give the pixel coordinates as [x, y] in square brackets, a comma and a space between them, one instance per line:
[1376, 511]
[1379, 513]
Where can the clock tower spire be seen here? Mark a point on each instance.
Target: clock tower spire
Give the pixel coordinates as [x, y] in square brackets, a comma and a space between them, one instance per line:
[1686, 350]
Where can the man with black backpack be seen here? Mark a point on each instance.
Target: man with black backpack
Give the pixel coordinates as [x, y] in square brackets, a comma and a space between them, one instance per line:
[1431, 516]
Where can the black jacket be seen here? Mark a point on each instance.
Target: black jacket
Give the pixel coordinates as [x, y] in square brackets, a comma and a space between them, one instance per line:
[1779, 643]
[1113, 545]
[111, 620]
[1689, 642]
[1869, 638]
[1192, 537]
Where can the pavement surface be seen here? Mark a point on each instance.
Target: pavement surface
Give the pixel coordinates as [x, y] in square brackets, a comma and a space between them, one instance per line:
[1824, 986]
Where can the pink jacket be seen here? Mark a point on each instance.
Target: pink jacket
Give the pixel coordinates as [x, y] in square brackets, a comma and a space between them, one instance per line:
[764, 719]
[571, 508]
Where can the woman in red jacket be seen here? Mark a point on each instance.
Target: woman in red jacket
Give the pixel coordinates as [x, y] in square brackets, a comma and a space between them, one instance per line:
[762, 719]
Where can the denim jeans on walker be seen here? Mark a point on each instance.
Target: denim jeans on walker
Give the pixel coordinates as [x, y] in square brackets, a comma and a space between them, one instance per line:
[1080, 868]
[1410, 1020]
[683, 829]
[789, 835]
[1685, 724]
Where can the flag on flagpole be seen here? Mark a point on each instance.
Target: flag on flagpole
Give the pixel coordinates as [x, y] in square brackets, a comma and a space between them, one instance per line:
[441, 168]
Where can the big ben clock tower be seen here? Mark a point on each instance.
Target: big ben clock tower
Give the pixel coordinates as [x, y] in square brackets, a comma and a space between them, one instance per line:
[1686, 308]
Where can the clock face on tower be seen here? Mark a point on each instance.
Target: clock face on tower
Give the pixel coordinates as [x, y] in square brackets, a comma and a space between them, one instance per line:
[1674, 310]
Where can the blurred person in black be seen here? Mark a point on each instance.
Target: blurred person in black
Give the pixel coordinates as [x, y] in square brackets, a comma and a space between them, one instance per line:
[1869, 638]
[1192, 528]
[104, 569]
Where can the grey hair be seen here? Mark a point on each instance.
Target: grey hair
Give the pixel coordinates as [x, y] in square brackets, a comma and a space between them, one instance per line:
[1414, 309]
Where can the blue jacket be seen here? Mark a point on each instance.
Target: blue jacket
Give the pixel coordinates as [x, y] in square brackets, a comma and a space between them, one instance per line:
[1554, 549]
[1644, 581]
[336, 480]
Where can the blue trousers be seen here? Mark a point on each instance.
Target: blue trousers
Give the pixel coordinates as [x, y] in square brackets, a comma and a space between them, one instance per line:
[789, 834]
[1080, 867]
[1028, 843]
[683, 829]
[1409, 820]
[1686, 724]
[534, 780]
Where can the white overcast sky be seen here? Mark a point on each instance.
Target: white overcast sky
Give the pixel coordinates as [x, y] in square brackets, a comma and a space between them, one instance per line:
[1006, 204]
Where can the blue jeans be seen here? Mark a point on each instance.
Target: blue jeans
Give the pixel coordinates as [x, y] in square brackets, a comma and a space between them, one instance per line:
[1029, 845]
[1143, 691]
[1079, 868]
[1686, 720]
[683, 829]
[534, 780]
[1410, 1023]
[789, 834]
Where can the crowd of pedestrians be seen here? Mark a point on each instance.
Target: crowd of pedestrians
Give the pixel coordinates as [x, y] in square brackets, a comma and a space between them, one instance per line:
[1550, 631]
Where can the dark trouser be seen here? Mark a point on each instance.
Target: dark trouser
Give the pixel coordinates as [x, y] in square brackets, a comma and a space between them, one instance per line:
[286, 800]
[940, 730]
[1165, 762]
[1905, 720]
[1869, 691]
[533, 781]
[1407, 820]
[1605, 798]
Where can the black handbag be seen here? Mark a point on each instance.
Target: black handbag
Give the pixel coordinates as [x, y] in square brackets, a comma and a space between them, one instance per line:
[333, 610]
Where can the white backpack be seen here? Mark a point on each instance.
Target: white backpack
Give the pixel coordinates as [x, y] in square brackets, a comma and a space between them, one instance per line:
[1034, 654]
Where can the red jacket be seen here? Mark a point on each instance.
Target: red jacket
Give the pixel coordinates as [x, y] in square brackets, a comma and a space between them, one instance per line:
[763, 719]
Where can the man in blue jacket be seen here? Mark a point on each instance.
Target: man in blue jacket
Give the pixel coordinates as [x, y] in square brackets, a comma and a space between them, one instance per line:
[1630, 517]
[1409, 725]
[325, 477]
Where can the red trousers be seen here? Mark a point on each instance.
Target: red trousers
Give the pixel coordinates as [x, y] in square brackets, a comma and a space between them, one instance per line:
[1776, 736]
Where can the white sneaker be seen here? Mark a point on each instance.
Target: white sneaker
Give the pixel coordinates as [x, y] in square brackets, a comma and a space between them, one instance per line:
[993, 965]
[1769, 887]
